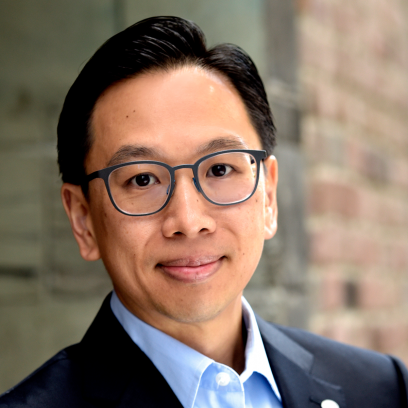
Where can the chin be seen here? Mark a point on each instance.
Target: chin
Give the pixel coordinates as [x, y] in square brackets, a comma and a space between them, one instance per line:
[195, 311]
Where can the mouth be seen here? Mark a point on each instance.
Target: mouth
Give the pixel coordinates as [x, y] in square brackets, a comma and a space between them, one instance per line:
[192, 269]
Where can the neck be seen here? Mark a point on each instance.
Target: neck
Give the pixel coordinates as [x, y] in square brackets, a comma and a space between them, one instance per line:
[221, 338]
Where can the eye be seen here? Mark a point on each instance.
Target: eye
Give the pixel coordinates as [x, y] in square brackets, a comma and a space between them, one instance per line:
[144, 180]
[219, 170]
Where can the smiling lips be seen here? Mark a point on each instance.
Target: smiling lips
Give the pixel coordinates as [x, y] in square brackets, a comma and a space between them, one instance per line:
[192, 269]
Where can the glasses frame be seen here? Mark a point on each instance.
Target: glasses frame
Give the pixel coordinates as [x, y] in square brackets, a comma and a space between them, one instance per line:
[258, 155]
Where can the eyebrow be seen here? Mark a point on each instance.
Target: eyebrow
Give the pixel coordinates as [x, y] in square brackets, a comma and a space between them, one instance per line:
[128, 153]
[232, 142]
[131, 152]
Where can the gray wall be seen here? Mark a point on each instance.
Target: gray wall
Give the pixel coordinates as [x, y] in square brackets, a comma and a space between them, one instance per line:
[48, 294]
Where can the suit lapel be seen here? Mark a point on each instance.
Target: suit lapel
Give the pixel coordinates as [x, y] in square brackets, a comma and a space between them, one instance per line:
[291, 366]
[148, 389]
[115, 372]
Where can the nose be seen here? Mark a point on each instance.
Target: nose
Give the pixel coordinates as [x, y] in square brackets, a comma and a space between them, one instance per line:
[188, 213]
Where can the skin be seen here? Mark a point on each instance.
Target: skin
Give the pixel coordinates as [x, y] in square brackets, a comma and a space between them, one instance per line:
[183, 269]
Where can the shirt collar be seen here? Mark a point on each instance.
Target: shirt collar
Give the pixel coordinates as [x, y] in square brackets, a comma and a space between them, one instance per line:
[256, 359]
[182, 366]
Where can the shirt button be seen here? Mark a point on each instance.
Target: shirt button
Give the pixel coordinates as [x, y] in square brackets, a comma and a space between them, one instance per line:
[222, 379]
[329, 404]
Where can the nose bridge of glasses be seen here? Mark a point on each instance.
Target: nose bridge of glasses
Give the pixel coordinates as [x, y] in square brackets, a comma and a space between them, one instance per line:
[188, 166]
[183, 166]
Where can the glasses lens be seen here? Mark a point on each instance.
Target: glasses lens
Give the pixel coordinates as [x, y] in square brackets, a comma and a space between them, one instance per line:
[228, 178]
[139, 189]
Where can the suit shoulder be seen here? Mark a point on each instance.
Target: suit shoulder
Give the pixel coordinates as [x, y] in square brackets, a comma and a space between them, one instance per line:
[323, 347]
[55, 383]
[339, 362]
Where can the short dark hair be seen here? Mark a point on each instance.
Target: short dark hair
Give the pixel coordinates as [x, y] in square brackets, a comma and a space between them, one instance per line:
[157, 43]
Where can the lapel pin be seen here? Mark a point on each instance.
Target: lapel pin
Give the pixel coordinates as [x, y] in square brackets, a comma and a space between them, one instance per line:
[329, 404]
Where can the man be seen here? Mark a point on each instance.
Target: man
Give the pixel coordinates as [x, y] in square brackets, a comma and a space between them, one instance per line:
[165, 153]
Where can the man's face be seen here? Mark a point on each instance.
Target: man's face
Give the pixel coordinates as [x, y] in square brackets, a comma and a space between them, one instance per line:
[193, 258]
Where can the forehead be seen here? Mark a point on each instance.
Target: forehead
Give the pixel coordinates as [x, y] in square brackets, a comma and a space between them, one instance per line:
[173, 114]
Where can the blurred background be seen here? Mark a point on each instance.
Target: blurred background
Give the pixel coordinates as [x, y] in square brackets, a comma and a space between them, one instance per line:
[336, 73]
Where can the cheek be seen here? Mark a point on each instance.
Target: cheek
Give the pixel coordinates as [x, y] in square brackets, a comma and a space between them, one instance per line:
[247, 224]
[125, 242]
[253, 215]
[111, 228]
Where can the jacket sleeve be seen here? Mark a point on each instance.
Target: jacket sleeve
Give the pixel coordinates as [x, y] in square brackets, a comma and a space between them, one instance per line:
[402, 379]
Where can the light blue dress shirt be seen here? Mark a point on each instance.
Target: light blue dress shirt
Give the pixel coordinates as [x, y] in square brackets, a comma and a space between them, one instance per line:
[198, 381]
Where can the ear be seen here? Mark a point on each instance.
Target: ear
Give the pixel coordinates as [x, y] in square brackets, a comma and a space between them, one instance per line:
[271, 205]
[77, 208]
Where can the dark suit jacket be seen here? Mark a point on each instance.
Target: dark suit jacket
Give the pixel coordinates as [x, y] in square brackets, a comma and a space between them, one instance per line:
[106, 369]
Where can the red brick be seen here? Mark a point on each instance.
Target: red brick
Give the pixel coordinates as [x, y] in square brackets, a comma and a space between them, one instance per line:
[399, 172]
[369, 162]
[333, 197]
[321, 10]
[355, 151]
[354, 72]
[375, 165]
[350, 331]
[345, 18]
[302, 6]
[396, 256]
[327, 103]
[361, 249]
[368, 205]
[332, 290]
[326, 245]
[332, 243]
[375, 292]
[390, 336]
[392, 212]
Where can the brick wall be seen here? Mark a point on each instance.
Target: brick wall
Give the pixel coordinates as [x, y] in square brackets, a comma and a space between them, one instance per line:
[354, 86]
